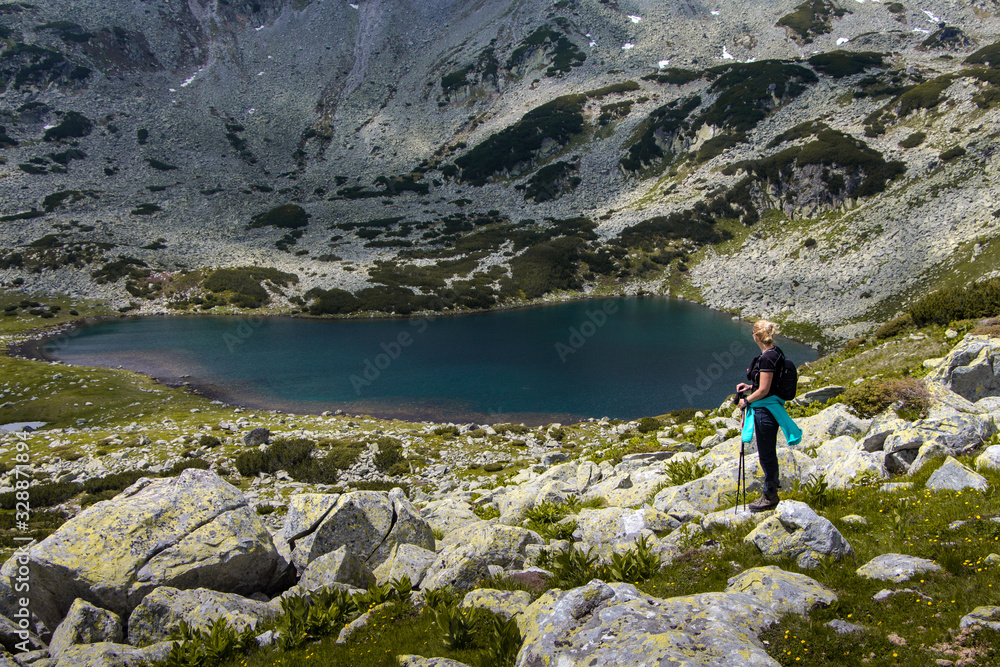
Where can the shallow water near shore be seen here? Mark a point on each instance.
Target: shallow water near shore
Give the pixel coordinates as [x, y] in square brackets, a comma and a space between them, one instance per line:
[621, 358]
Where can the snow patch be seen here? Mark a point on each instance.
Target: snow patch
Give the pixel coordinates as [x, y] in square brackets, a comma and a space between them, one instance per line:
[259, 29]
[48, 127]
[635, 19]
[593, 44]
[191, 78]
[715, 12]
[260, 74]
[921, 30]
[932, 18]
[627, 46]
[726, 55]
[663, 63]
[354, 6]
[843, 40]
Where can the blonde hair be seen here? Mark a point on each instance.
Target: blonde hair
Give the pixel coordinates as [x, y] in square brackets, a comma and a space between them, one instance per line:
[765, 331]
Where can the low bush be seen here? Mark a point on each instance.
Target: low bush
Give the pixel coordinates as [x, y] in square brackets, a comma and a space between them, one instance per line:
[894, 326]
[958, 303]
[874, 396]
[390, 453]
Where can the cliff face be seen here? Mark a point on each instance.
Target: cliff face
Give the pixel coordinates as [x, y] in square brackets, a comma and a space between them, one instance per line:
[847, 151]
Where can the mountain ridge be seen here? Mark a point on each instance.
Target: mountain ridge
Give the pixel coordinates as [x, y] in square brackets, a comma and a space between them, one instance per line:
[381, 121]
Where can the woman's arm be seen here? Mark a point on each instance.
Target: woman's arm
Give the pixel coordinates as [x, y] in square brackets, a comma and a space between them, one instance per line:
[765, 386]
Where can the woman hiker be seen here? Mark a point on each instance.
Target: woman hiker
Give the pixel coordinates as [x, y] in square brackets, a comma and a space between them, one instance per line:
[764, 412]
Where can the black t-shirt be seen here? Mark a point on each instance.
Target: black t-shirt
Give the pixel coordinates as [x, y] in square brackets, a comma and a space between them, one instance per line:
[767, 361]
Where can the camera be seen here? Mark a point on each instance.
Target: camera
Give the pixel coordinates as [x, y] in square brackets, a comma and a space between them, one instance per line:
[738, 396]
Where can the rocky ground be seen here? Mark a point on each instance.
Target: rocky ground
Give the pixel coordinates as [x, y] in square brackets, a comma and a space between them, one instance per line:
[211, 543]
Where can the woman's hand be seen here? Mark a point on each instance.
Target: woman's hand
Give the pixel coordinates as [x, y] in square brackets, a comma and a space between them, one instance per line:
[743, 386]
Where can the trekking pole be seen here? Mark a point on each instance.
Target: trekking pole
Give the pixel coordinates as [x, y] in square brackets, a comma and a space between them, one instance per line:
[741, 475]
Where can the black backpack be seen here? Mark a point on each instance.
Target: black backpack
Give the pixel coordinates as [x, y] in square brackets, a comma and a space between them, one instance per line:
[786, 379]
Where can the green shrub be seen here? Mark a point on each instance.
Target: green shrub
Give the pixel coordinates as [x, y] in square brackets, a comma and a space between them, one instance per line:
[958, 303]
[913, 140]
[43, 495]
[288, 216]
[873, 396]
[184, 464]
[811, 18]
[73, 126]
[682, 471]
[242, 287]
[649, 425]
[390, 452]
[894, 326]
[838, 64]
[988, 55]
[952, 153]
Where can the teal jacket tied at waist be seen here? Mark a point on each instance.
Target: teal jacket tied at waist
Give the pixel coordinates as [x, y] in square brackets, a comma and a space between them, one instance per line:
[776, 406]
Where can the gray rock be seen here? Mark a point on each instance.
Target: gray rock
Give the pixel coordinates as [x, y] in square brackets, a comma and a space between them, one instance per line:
[162, 611]
[257, 437]
[369, 524]
[191, 530]
[305, 511]
[882, 427]
[989, 459]
[86, 624]
[604, 529]
[406, 560]
[796, 531]
[832, 422]
[954, 476]
[885, 594]
[447, 515]
[958, 434]
[896, 568]
[971, 369]
[103, 654]
[420, 661]
[821, 395]
[11, 636]
[615, 624]
[985, 616]
[467, 561]
[503, 603]
[845, 628]
[337, 567]
[780, 591]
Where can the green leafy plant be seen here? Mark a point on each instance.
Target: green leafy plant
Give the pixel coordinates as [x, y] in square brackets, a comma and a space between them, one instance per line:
[635, 565]
[682, 471]
[502, 641]
[816, 491]
[439, 598]
[874, 396]
[456, 626]
[573, 567]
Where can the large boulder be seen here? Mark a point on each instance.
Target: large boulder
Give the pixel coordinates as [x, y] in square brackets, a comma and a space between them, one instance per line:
[102, 654]
[503, 603]
[448, 515]
[832, 422]
[337, 567]
[971, 369]
[989, 459]
[985, 617]
[615, 624]
[958, 434]
[896, 567]
[604, 529]
[796, 531]
[86, 624]
[465, 562]
[191, 530]
[821, 395]
[954, 476]
[161, 612]
[369, 524]
[782, 592]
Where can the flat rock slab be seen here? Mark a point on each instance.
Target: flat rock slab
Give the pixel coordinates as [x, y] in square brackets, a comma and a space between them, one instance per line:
[502, 603]
[615, 624]
[162, 611]
[420, 661]
[782, 592]
[896, 567]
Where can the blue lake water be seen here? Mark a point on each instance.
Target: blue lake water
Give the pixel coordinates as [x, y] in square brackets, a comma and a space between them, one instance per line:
[621, 358]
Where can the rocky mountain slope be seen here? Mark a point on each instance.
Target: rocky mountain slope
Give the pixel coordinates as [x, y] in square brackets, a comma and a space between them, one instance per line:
[819, 163]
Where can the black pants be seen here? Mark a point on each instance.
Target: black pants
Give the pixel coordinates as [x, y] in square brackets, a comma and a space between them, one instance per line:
[766, 431]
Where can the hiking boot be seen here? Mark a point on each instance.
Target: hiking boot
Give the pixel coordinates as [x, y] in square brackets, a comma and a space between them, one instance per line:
[764, 503]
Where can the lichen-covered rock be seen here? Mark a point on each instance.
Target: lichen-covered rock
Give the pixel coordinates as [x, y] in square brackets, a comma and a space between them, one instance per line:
[732, 516]
[615, 624]
[821, 395]
[257, 437]
[337, 567]
[605, 528]
[11, 636]
[882, 427]
[971, 369]
[796, 531]
[193, 529]
[466, 562]
[86, 624]
[406, 560]
[896, 567]
[503, 603]
[989, 459]
[369, 524]
[305, 511]
[420, 661]
[958, 434]
[843, 470]
[954, 476]
[162, 611]
[780, 591]
[832, 422]
[102, 654]
[985, 616]
[448, 515]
